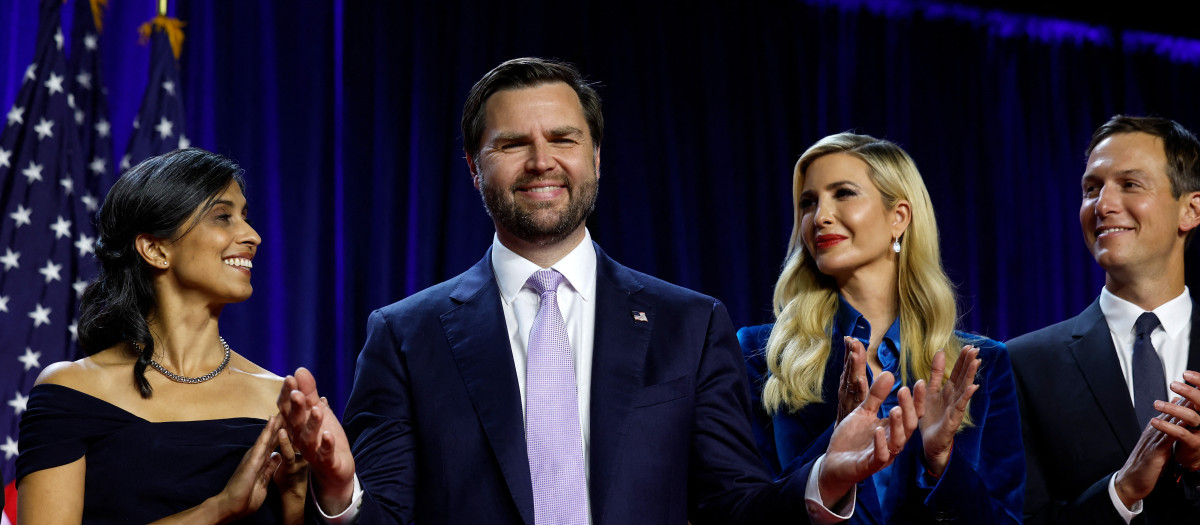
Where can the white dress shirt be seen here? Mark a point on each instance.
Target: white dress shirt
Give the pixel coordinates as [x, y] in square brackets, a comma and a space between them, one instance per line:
[1170, 340]
[576, 300]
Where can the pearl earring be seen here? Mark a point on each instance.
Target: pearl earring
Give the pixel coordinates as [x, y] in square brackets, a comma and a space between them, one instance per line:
[896, 245]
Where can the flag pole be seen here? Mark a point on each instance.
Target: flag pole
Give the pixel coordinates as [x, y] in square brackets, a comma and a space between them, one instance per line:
[161, 116]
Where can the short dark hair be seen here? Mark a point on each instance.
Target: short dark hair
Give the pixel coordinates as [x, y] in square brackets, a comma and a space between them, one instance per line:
[155, 197]
[523, 73]
[1180, 146]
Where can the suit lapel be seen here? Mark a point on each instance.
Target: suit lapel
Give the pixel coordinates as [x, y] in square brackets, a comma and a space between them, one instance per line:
[478, 340]
[1094, 353]
[618, 355]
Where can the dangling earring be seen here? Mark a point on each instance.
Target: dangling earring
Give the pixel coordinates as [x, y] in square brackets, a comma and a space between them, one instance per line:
[896, 245]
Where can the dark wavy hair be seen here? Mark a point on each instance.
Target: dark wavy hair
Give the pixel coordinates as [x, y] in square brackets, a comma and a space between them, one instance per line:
[156, 197]
[521, 73]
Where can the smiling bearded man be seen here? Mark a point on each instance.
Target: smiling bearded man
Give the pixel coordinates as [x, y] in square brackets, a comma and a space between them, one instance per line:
[550, 384]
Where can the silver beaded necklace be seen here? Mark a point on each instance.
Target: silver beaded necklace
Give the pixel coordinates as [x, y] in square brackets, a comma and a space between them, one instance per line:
[193, 380]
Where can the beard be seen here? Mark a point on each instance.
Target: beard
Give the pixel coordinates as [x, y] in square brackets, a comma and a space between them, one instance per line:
[536, 223]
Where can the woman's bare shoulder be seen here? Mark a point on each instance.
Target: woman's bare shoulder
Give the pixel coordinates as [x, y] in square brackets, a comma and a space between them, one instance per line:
[91, 373]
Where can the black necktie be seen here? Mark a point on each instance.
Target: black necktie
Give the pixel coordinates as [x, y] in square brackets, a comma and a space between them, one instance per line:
[1148, 379]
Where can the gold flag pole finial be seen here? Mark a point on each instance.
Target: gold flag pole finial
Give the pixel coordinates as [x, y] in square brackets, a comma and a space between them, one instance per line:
[172, 26]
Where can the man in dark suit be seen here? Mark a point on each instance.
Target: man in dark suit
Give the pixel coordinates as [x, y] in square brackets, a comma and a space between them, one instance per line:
[550, 384]
[1090, 384]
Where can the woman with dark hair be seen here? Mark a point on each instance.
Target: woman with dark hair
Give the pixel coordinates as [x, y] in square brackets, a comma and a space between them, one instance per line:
[163, 420]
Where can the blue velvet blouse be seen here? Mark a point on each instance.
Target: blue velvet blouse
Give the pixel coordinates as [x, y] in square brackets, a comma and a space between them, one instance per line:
[985, 479]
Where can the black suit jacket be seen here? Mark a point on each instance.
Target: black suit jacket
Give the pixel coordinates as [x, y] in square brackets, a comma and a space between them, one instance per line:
[437, 430]
[1079, 425]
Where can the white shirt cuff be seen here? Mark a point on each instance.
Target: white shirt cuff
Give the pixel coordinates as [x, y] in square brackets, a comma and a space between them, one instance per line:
[817, 511]
[346, 517]
[1126, 514]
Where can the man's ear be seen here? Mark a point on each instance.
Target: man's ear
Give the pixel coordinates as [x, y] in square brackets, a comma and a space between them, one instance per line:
[596, 159]
[153, 250]
[474, 169]
[1189, 216]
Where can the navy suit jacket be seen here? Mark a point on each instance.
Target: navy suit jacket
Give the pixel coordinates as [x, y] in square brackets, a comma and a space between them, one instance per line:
[437, 432]
[1079, 426]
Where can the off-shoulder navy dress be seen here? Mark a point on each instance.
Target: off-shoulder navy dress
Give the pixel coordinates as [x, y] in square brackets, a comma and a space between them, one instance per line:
[137, 471]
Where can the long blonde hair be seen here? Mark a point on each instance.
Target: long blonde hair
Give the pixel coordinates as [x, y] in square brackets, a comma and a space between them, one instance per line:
[806, 300]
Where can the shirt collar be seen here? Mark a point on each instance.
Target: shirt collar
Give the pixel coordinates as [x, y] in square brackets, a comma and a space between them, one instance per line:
[1120, 314]
[848, 321]
[578, 269]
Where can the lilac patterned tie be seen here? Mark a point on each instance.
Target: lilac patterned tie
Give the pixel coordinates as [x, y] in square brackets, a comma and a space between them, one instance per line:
[552, 436]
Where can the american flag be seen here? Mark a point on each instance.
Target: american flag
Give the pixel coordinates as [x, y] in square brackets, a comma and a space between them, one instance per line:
[46, 234]
[89, 97]
[159, 124]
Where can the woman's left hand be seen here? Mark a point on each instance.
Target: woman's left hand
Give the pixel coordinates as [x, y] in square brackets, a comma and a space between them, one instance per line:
[292, 480]
[292, 475]
[945, 406]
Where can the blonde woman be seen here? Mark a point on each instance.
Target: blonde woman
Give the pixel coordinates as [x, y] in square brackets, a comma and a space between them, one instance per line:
[862, 292]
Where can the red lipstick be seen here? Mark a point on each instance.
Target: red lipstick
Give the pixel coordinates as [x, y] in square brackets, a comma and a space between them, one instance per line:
[828, 240]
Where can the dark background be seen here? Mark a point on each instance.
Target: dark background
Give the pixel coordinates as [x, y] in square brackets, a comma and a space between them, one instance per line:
[345, 116]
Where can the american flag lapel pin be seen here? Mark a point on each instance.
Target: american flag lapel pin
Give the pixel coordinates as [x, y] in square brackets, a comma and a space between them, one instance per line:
[640, 317]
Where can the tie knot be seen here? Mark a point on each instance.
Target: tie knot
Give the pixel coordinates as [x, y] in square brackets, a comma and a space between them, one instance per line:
[1145, 324]
[545, 280]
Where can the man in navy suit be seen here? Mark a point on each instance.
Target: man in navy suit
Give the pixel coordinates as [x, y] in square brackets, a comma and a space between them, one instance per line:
[652, 401]
[1095, 451]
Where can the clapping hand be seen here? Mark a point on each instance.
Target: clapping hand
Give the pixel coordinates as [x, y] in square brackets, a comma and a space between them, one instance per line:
[292, 476]
[1183, 422]
[863, 443]
[852, 388]
[946, 405]
[1175, 428]
[1144, 466]
[247, 488]
[318, 436]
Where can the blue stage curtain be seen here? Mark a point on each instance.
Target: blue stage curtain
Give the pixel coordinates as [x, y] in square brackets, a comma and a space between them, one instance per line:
[345, 116]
